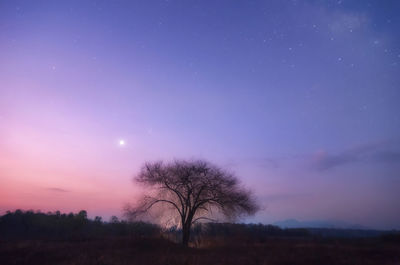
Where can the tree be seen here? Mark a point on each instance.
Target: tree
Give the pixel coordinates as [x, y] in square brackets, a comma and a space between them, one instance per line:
[82, 215]
[114, 219]
[194, 190]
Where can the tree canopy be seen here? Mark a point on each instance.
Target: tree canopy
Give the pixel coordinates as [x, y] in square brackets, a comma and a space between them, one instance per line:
[195, 190]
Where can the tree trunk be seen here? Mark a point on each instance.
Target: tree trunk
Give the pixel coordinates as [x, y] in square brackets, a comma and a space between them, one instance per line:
[185, 235]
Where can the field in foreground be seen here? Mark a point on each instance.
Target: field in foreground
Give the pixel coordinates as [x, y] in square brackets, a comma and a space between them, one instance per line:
[124, 250]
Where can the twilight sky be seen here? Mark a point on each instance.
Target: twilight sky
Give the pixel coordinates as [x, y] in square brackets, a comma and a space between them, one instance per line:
[300, 98]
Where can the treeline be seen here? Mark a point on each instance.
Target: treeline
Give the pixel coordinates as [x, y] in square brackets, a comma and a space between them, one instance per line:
[239, 233]
[76, 226]
[55, 225]
[242, 233]
[251, 230]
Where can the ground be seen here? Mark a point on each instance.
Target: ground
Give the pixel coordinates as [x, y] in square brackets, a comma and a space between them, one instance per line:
[118, 251]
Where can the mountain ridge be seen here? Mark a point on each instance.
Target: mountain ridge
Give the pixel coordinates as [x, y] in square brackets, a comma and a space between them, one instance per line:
[335, 224]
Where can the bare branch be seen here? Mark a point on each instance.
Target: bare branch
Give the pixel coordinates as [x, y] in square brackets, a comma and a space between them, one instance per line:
[195, 189]
[204, 218]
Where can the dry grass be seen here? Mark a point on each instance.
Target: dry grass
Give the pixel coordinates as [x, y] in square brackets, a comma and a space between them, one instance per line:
[118, 251]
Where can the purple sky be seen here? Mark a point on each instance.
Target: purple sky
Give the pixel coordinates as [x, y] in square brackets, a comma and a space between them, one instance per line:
[300, 98]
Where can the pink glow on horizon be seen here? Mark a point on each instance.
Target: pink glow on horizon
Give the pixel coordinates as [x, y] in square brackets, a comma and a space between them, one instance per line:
[66, 171]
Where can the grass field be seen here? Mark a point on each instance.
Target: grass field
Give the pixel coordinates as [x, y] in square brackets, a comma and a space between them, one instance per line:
[124, 250]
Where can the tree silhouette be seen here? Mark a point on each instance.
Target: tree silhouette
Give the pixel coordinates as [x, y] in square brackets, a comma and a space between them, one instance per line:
[195, 190]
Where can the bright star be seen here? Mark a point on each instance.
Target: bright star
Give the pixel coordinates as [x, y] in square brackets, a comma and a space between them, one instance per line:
[121, 142]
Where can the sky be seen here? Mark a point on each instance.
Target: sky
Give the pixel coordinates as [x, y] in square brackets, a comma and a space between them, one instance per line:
[299, 98]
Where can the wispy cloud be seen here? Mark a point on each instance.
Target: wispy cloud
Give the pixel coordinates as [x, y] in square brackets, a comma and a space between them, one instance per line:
[383, 152]
[57, 189]
[324, 161]
[387, 151]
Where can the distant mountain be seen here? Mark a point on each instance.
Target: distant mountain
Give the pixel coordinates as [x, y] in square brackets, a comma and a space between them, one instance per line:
[293, 223]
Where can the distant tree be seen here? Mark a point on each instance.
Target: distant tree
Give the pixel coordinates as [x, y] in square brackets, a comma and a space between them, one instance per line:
[82, 215]
[194, 190]
[114, 219]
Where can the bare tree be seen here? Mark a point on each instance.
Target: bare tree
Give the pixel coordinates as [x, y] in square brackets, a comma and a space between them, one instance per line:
[195, 190]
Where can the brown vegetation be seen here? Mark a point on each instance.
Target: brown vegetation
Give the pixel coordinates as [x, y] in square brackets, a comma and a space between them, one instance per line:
[124, 250]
